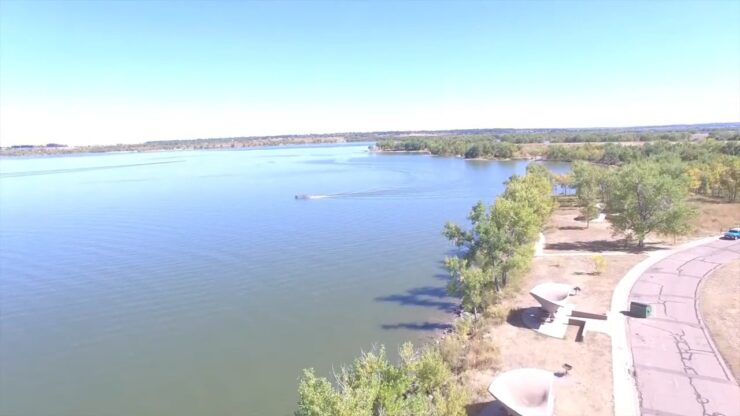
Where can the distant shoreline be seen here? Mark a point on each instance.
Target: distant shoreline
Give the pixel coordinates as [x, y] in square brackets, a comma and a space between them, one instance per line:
[542, 136]
[42, 151]
[472, 159]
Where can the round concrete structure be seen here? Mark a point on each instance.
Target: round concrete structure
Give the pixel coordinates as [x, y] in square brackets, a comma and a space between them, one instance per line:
[525, 391]
[552, 296]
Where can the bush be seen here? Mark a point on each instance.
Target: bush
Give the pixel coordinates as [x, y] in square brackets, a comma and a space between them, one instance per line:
[452, 347]
[483, 354]
[599, 264]
[496, 314]
[421, 384]
[464, 326]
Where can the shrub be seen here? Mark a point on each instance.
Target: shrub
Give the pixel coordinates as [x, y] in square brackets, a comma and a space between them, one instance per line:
[496, 314]
[599, 264]
[464, 326]
[452, 348]
[483, 354]
[421, 384]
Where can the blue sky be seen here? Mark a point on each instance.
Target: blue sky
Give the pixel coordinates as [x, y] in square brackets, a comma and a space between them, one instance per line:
[125, 71]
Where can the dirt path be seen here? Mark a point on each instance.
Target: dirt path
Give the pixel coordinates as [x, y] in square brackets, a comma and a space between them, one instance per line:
[677, 366]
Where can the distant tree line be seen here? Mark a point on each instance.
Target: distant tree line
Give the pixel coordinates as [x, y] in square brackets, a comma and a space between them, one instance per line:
[615, 154]
[597, 146]
[711, 168]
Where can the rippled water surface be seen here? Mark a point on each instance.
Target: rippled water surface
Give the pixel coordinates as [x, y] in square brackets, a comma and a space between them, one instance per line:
[194, 283]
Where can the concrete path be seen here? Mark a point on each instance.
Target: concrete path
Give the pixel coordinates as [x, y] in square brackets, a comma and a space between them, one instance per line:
[677, 367]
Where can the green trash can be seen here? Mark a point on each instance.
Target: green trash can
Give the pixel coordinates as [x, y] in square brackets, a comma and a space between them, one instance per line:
[640, 310]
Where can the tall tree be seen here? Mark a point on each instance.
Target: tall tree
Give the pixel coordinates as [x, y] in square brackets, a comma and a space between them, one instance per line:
[586, 178]
[565, 182]
[533, 190]
[649, 196]
[499, 241]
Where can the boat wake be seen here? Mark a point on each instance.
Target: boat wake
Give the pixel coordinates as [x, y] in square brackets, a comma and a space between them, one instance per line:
[371, 194]
[306, 196]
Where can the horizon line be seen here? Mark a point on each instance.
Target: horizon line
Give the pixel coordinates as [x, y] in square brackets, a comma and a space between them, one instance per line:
[685, 126]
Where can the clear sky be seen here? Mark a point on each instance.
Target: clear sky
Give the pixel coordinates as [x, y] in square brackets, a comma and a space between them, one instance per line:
[125, 71]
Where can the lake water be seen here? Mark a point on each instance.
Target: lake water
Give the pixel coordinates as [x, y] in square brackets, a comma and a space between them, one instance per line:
[194, 283]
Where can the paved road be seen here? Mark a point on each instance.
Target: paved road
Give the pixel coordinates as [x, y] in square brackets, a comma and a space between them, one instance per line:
[677, 366]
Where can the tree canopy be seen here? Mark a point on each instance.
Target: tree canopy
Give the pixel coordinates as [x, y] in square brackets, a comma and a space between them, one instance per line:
[649, 196]
[499, 241]
[421, 384]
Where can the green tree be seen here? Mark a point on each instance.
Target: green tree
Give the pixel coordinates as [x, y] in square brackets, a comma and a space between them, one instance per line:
[730, 177]
[498, 244]
[514, 228]
[649, 196]
[421, 384]
[471, 283]
[565, 182]
[586, 179]
[533, 191]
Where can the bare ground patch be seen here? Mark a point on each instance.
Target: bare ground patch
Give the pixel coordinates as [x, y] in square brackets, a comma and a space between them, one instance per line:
[714, 216]
[567, 232]
[587, 390]
[720, 309]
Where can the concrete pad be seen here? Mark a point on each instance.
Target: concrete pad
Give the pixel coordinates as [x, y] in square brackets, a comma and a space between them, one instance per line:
[536, 319]
[666, 392]
[696, 268]
[597, 325]
[680, 311]
[677, 368]
[718, 258]
[721, 398]
[671, 284]
[703, 364]
[646, 288]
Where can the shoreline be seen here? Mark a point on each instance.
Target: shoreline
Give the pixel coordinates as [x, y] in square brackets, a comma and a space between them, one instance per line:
[590, 387]
[80, 151]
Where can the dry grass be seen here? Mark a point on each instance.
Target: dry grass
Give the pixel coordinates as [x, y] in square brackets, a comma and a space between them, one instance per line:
[714, 216]
[722, 313]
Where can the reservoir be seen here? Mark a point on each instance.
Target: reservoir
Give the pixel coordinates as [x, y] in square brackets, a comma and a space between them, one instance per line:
[199, 282]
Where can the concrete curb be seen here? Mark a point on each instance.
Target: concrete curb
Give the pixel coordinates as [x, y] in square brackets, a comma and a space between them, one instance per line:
[626, 398]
